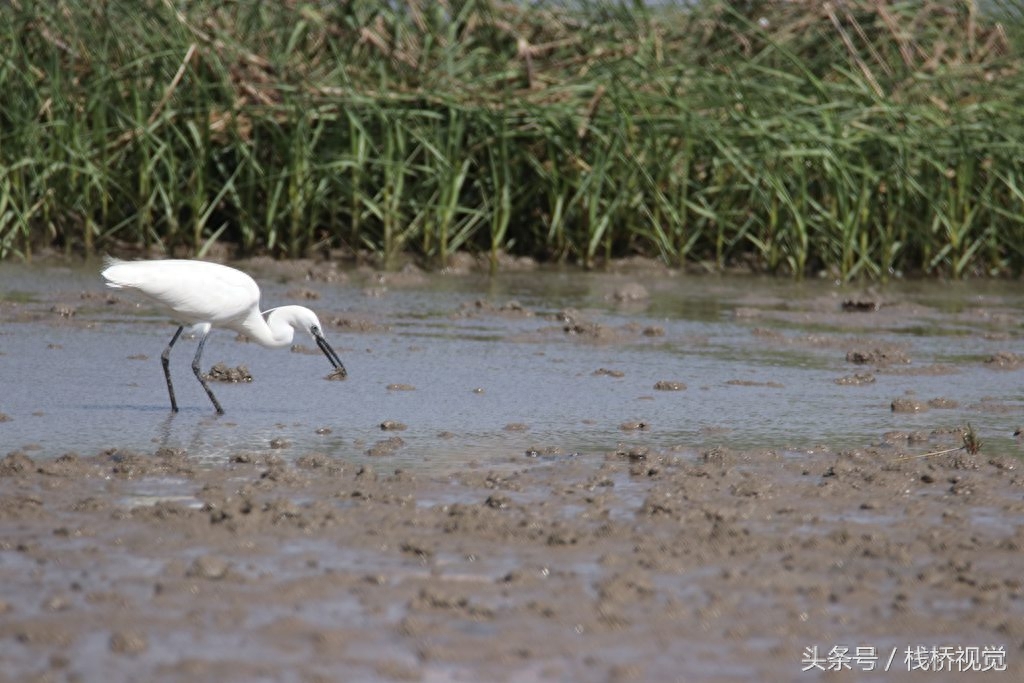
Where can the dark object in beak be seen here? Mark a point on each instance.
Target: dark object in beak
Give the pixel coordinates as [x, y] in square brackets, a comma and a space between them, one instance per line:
[339, 369]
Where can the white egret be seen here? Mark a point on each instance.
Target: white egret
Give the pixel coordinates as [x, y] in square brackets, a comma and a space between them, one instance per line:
[206, 295]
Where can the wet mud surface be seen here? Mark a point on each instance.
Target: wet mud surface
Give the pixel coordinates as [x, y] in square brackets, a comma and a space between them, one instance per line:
[732, 485]
[631, 565]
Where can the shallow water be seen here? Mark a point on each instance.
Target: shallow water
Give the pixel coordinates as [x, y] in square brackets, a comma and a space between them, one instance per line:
[759, 358]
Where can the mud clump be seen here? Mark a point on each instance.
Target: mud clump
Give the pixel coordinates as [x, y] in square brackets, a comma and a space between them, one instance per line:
[386, 447]
[668, 385]
[544, 451]
[15, 463]
[579, 327]
[304, 293]
[509, 309]
[861, 306]
[575, 324]
[128, 643]
[1004, 360]
[221, 372]
[880, 357]
[209, 567]
[305, 350]
[907, 405]
[855, 379]
[631, 292]
[943, 403]
[360, 325]
[336, 375]
[753, 383]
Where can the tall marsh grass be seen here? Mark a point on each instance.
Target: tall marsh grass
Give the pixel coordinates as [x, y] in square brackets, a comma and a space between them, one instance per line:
[860, 138]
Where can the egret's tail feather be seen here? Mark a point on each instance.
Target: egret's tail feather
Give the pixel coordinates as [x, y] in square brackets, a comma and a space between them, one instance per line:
[117, 273]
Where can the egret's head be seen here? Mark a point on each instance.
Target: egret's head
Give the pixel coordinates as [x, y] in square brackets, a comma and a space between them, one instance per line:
[306, 320]
[301, 318]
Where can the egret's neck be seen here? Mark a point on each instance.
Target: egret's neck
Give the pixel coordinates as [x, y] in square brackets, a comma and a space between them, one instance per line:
[273, 332]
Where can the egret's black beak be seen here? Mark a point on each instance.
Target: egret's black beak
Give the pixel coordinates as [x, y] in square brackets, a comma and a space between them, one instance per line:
[339, 368]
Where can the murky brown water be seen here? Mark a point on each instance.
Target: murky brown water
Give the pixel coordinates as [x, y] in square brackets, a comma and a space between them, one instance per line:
[545, 475]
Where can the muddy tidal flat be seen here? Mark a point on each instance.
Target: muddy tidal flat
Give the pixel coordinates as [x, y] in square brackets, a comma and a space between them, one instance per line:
[547, 475]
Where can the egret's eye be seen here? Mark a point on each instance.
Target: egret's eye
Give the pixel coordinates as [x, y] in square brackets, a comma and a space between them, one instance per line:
[314, 330]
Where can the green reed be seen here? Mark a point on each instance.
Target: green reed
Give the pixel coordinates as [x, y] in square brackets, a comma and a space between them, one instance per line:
[857, 139]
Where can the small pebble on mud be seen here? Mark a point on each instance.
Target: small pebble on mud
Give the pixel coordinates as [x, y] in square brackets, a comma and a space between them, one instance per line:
[392, 426]
[279, 443]
[633, 426]
[605, 372]
[401, 387]
[666, 385]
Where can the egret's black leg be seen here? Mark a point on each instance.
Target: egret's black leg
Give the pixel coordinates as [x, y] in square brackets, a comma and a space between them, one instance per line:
[199, 374]
[166, 358]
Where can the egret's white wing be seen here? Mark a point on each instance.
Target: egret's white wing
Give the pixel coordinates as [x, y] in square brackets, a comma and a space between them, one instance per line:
[191, 291]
